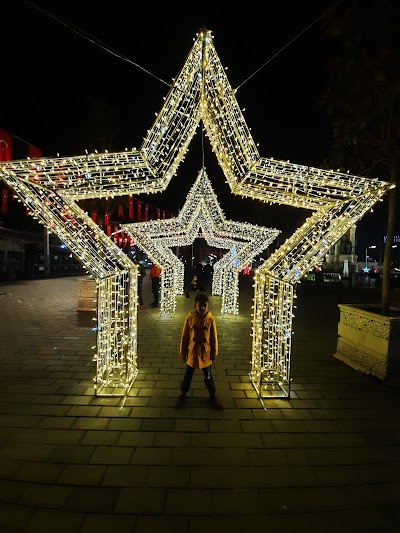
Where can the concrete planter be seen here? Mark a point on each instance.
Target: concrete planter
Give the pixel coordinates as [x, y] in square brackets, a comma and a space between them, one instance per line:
[87, 294]
[370, 342]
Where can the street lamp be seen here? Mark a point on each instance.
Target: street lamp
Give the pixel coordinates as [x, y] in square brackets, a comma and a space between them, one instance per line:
[366, 269]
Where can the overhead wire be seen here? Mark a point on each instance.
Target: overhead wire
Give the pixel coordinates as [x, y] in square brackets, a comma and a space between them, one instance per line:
[288, 44]
[95, 41]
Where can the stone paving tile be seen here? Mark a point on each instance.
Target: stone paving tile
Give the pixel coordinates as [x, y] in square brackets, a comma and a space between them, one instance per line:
[91, 423]
[126, 476]
[268, 457]
[19, 408]
[357, 521]
[24, 451]
[111, 524]
[210, 456]
[8, 468]
[106, 401]
[136, 402]
[91, 499]
[172, 439]
[11, 490]
[72, 474]
[49, 496]
[236, 414]
[229, 426]
[58, 422]
[111, 455]
[76, 400]
[214, 502]
[33, 421]
[45, 435]
[100, 438]
[14, 518]
[161, 424]
[145, 412]
[124, 424]
[313, 440]
[136, 438]
[189, 425]
[52, 410]
[152, 456]
[84, 410]
[252, 477]
[144, 501]
[49, 521]
[169, 476]
[37, 472]
[165, 524]
[257, 426]
[288, 426]
[76, 454]
[358, 474]
[228, 440]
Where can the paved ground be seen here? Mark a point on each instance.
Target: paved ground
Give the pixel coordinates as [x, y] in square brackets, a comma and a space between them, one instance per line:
[327, 459]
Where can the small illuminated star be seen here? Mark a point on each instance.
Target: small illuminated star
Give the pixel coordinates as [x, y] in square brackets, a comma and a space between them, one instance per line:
[201, 213]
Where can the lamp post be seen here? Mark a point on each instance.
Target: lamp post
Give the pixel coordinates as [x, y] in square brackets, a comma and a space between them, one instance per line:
[366, 269]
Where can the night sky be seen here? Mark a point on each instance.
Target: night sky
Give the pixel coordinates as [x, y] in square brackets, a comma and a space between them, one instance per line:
[52, 75]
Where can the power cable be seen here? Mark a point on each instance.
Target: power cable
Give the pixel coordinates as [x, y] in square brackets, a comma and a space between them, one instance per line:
[95, 41]
[288, 44]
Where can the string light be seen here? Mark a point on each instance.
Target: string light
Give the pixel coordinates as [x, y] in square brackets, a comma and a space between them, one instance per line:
[49, 188]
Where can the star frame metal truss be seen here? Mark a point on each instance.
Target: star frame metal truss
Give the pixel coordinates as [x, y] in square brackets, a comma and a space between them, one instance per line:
[201, 92]
[201, 211]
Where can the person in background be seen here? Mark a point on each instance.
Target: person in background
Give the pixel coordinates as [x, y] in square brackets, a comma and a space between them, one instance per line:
[141, 275]
[200, 276]
[154, 275]
[198, 349]
[193, 284]
[208, 275]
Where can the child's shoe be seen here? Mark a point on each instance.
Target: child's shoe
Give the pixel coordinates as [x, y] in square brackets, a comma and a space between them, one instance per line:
[216, 403]
[180, 401]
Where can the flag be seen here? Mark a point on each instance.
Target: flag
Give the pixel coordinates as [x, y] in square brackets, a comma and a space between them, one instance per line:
[139, 210]
[6, 142]
[158, 213]
[120, 211]
[94, 216]
[146, 212]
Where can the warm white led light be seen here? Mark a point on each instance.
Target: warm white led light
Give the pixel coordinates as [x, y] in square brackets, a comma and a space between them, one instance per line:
[201, 92]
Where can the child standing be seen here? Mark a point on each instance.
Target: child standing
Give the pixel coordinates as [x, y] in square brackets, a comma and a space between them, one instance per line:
[199, 348]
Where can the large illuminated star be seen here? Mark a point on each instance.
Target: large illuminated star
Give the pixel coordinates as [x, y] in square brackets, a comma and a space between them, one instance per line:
[201, 213]
[201, 92]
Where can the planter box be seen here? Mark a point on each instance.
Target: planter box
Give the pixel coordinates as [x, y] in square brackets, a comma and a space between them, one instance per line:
[370, 342]
[87, 295]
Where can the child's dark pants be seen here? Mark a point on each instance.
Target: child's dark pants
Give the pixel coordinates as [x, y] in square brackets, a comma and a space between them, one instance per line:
[208, 380]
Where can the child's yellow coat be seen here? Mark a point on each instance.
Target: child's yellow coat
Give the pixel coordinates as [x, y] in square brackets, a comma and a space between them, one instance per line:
[199, 341]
